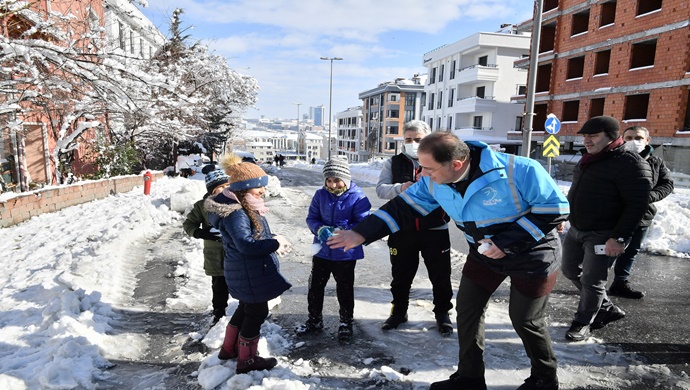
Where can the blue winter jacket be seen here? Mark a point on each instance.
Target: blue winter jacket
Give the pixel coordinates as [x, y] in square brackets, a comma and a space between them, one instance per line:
[251, 265]
[510, 199]
[342, 211]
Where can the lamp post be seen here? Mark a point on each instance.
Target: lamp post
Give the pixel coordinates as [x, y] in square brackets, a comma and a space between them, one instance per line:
[298, 132]
[330, 101]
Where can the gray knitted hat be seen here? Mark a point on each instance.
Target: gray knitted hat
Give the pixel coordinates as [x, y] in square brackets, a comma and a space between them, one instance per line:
[337, 167]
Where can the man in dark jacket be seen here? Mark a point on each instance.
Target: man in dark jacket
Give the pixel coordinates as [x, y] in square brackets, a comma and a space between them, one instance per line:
[608, 197]
[637, 140]
[508, 207]
[429, 237]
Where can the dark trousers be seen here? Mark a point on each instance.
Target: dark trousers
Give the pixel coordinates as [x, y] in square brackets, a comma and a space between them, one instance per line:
[528, 301]
[405, 248]
[625, 261]
[344, 274]
[220, 295]
[248, 318]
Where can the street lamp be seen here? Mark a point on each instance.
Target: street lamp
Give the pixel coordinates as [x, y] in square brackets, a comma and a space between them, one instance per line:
[330, 101]
[298, 132]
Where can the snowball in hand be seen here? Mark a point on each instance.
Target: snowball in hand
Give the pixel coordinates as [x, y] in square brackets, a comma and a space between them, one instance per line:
[484, 247]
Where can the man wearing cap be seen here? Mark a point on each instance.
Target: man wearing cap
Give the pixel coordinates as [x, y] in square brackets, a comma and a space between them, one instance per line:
[608, 197]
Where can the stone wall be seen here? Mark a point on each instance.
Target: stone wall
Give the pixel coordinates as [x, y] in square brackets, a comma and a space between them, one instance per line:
[26, 205]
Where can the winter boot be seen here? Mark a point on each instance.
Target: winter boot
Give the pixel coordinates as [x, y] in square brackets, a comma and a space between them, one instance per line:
[622, 289]
[456, 382]
[249, 359]
[445, 327]
[312, 325]
[397, 317]
[533, 383]
[345, 331]
[229, 348]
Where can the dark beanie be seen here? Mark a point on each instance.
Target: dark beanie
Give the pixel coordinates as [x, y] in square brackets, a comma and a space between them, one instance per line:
[215, 178]
[339, 168]
[602, 124]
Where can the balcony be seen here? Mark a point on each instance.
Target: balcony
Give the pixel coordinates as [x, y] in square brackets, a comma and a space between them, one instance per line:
[475, 104]
[477, 73]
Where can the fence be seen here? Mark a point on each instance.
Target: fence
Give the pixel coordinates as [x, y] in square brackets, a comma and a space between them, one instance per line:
[26, 205]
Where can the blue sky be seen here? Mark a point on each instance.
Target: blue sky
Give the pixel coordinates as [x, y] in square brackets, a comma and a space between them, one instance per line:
[279, 42]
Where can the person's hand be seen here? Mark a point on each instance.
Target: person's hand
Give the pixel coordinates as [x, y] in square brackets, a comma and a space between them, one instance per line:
[614, 248]
[560, 228]
[346, 239]
[493, 252]
[284, 245]
[324, 233]
[406, 185]
[207, 235]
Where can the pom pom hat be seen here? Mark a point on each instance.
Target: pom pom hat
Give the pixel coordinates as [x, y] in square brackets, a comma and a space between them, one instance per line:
[214, 179]
[243, 175]
[339, 168]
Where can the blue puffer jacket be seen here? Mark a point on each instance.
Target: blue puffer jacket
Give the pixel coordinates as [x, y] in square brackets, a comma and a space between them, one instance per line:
[251, 265]
[342, 211]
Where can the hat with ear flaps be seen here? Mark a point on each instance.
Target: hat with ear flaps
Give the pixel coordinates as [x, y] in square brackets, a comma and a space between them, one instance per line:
[243, 175]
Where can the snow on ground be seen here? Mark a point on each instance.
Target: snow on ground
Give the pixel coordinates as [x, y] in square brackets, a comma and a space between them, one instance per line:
[65, 272]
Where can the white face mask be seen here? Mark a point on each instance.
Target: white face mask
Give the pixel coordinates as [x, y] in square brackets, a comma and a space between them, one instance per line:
[636, 145]
[411, 149]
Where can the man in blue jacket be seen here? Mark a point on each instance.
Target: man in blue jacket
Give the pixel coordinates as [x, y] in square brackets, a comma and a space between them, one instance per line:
[508, 207]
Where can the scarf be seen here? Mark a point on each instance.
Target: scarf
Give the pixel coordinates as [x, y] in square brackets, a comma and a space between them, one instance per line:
[336, 191]
[257, 204]
[588, 158]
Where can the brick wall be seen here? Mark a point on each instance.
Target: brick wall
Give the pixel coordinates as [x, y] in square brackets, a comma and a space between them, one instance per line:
[25, 206]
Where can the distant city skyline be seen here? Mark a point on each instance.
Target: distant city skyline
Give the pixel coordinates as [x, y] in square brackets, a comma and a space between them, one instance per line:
[280, 43]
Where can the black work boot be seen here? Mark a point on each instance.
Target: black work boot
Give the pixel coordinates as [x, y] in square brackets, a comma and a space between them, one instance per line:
[604, 317]
[345, 331]
[397, 317]
[445, 327]
[577, 332]
[312, 325]
[533, 383]
[621, 288]
[457, 382]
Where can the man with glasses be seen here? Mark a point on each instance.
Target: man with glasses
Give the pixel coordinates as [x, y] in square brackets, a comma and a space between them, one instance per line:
[429, 237]
[508, 207]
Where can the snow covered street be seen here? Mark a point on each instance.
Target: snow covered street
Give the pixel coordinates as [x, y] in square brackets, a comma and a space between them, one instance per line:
[112, 294]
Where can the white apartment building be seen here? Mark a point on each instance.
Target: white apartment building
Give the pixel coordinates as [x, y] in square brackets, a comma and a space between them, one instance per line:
[351, 138]
[129, 32]
[470, 85]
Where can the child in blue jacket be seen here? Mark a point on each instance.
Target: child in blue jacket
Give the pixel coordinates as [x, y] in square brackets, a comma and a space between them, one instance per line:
[340, 204]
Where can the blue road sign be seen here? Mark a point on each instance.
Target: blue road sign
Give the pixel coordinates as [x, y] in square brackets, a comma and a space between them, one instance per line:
[552, 124]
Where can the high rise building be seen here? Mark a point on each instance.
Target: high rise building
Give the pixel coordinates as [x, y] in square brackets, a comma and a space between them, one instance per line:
[317, 114]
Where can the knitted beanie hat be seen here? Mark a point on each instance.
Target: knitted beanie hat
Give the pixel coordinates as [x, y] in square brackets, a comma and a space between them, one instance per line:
[339, 168]
[214, 179]
[602, 124]
[243, 175]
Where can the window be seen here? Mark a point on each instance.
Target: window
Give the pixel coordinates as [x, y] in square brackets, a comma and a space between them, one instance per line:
[450, 122]
[477, 122]
[392, 129]
[580, 23]
[131, 42]
[549, 5]
[440, 100]
[543, 78]
[602, 60]
[647, 6]
[438, 123]
[450, 97]
[431, 123]
[521, 89]
[410, 98]
[409, 115]
[636, 106]
[576, 67]
[141, 48]
[596, 107]
[121, 34]
[431, 101]
[483, 60]
[608, 13]
[394, 97]
[452, 70]
[570, 110]
[432, 78]
[481, 92]
[440, 73]
[548, 36]
[390, 145]
[642, 54]
[423, 100]
[518, 123]
[394, 113]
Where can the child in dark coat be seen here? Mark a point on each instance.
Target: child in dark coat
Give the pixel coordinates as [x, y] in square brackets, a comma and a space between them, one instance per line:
[196, 225]
[340, 204]
[251, 264]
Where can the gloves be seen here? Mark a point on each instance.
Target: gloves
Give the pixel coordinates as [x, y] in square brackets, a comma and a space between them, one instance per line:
[285, 246]
[324, 233]
[207, 234]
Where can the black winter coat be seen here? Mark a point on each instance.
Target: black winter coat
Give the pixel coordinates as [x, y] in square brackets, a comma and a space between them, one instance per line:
[611, 193]
[662, 184]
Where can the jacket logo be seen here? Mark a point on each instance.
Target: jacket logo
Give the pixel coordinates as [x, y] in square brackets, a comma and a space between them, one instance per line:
[491, 194]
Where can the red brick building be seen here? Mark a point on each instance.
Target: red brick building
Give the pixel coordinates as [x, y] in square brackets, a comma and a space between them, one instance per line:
[629, 59]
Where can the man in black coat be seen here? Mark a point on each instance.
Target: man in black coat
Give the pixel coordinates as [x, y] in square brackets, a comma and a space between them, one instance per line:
[637, 140]
[608, 198]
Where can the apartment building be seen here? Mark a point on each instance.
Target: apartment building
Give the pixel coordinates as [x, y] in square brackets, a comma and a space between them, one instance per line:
[350, 135]
[471, 83]
[386, 109]
[629, 59]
